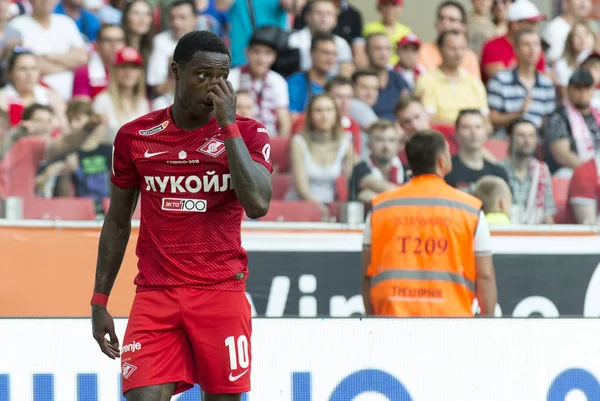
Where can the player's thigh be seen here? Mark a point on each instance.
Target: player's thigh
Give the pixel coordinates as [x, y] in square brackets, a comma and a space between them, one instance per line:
[221, 397]
[156, 349]
[161, 392]
[219, 326]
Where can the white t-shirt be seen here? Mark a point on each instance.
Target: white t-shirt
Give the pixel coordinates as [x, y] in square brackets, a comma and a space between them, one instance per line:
[163, 101]
[62, 36]
[269, 95]
[103, 105]
[163, 46]
[555, 34]
[302, 39]
[482, 241]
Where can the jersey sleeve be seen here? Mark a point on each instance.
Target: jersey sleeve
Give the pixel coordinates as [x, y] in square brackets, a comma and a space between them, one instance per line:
[124, 174]
[258, 143]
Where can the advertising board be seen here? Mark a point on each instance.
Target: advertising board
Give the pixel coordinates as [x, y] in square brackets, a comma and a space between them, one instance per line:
[336, 360]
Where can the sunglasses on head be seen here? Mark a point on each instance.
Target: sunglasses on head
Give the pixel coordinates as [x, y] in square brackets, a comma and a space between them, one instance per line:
[21, 50]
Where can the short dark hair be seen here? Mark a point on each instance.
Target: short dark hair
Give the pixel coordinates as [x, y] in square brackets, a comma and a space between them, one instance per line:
[452, 3]
[77, 107]
[311, 4]
[422, 151]
[336, 81]
[370, 37]
[198, 41]
[363, 72]
[466, 112]
[510, 128]
[523, 32]
[106, 26]
[320, 37]
[442, 37]
[178, 3]
[30, 111]
[404, 102]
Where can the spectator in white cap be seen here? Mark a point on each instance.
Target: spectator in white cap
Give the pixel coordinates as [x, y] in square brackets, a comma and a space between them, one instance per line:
[555, 33]
[408, 55]
[499, 53]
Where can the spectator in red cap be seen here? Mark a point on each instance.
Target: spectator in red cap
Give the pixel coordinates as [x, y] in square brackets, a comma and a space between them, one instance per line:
[499, 53]
[408, 54]
[390, 11]
[125, 97]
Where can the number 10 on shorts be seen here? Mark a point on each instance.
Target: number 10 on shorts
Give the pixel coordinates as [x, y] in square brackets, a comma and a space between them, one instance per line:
[238, 352]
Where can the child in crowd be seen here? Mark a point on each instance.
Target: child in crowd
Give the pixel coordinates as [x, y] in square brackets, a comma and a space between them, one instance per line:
[390, 11]
[245, 104]
[408, 54]
[496, 198]
[91, 164]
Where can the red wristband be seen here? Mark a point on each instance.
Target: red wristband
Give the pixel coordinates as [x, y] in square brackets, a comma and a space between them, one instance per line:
[99, 299]
[229, 132]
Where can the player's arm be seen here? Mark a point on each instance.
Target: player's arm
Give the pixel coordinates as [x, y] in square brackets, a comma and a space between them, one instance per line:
[485, 283]
[365, 285]
[251, 180]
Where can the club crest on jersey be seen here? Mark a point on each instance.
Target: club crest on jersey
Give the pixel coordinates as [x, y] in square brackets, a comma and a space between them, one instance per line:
[213, 147]
[154, 130]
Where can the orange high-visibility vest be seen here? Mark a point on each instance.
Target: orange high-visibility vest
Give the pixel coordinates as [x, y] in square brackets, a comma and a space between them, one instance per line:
[422, 255]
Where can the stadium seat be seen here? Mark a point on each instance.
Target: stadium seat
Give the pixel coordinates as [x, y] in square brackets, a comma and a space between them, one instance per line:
[498, 147]
[59, 208]
[280, 154]
[292, 211]
[281, 184]
[136, 213]
[560, 188]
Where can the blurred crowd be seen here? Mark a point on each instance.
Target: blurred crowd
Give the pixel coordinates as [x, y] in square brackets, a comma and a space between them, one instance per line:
[515, 94]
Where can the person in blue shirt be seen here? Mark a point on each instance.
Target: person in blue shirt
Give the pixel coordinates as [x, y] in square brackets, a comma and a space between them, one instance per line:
[86, 21]
[303, 85]
[266, 13]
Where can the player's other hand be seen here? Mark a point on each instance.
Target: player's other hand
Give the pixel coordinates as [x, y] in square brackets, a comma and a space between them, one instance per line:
[222, 94]
[103, 324]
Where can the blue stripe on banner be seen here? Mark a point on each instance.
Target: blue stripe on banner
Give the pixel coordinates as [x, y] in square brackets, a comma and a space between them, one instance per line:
[120, 380]
[193, 394]
[43, 387]
[245, 397]
[302, 386]
[87, 387]
[4, 387]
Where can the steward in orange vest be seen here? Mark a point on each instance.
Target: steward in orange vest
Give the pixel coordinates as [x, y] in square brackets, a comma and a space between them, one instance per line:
[427, 245]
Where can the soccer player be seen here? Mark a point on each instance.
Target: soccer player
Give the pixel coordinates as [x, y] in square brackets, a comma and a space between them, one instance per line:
[198, 167]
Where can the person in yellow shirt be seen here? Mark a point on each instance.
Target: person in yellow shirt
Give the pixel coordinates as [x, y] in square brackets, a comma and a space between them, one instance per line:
[426, 245]
[390, 11]
[496, 198]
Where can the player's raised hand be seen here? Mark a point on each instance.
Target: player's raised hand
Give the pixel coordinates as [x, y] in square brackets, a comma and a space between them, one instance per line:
[224, 100]
[103, 324]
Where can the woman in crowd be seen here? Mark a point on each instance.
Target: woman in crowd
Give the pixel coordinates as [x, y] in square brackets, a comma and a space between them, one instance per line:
[580, 43]
[23, 89]
[321, 156]
[138, 24]
[125, 97]
[500, 16]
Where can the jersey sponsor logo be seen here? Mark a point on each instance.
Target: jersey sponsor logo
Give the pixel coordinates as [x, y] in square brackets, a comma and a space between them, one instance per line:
[128, 369]
[213, 147]
[134, 346]
[154, 130]
[193, 184]
[184, 205]
[233, 378]
[148, 155]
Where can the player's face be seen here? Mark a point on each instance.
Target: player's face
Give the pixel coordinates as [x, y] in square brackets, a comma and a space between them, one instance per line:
[196, 76]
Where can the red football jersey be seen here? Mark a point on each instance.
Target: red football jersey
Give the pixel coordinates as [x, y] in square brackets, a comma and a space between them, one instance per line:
[190, 215]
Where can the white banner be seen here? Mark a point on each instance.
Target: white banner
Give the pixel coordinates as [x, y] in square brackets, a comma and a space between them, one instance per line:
[336, 360]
